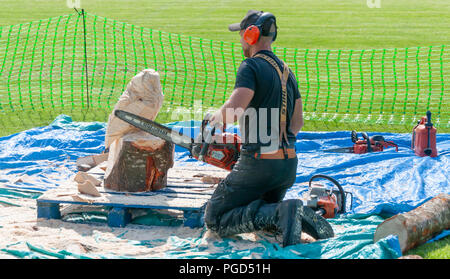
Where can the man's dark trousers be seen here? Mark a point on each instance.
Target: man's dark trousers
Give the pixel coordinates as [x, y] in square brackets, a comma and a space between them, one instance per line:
[252, 183]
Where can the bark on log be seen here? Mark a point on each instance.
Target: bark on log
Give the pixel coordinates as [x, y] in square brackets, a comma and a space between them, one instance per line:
[418, 225]
[138, 162]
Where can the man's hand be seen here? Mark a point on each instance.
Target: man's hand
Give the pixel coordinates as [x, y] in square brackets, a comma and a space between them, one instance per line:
[215, 120]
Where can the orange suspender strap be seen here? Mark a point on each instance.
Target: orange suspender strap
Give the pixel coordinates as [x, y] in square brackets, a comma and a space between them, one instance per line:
[283, 78]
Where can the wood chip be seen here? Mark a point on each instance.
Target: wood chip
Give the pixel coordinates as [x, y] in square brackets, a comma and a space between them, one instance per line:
[81, 177]
[88, 188]
[103, 165]
[80, 199]
[210, 179]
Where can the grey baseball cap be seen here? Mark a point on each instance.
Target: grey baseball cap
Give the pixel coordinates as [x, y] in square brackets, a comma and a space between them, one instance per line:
[250, 18]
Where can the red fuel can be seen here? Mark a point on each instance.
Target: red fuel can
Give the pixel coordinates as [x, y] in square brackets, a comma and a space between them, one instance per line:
[424, 137]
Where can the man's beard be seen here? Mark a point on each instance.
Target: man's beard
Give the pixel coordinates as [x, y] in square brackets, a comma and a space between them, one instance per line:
[246, 52]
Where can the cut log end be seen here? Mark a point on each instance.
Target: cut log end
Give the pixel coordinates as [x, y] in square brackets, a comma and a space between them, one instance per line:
[393, 226]
[418, 225]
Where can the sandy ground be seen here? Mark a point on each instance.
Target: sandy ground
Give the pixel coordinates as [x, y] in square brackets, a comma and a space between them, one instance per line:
[21, 230]
[20, 226]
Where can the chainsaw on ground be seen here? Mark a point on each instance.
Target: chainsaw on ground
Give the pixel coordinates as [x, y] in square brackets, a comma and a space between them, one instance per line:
[218, 150]
[373, 144]
[327, 202]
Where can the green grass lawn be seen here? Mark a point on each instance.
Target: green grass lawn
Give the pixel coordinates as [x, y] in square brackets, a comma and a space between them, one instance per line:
[325, 24]
[310, 24]
[435, 250]
[306, 24]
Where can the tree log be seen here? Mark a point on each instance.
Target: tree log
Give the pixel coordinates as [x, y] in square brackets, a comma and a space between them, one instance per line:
[418, 225]
[138, 162]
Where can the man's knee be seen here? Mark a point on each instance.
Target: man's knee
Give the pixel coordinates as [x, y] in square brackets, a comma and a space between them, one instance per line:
[216, 206]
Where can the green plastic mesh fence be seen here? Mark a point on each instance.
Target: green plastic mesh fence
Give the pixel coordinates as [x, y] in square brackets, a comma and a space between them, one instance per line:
[81, 63]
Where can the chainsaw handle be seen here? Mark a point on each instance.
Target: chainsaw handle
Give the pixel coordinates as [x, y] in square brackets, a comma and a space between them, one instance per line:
[205, 145]
[366, 137]
[206, 120]
[204, 124]
[334, 181]
[378, 138]
[354, 136]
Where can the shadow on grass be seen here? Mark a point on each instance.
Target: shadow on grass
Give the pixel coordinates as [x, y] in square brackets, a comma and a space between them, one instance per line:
[16, 121]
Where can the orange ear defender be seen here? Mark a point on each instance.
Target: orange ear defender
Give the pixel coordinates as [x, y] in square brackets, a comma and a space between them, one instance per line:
[252, 34]
[254, 31]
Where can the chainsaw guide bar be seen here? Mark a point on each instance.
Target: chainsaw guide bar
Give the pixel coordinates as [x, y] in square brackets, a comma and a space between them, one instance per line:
[156, 129]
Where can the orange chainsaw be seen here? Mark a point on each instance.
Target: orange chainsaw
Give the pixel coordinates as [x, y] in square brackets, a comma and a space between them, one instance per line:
[327, 202]
[373, 144]
[218, 150]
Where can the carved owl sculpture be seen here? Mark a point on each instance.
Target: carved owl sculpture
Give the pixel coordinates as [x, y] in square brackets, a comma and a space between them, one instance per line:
[143, 97]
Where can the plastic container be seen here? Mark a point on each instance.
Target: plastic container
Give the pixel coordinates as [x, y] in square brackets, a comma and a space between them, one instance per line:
[424, 138]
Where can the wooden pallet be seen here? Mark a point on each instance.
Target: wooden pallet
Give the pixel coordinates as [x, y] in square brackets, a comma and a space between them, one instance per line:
[184, 192]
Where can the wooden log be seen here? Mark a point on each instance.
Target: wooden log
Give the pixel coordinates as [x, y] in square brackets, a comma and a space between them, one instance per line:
[138, 162]
[418, 225]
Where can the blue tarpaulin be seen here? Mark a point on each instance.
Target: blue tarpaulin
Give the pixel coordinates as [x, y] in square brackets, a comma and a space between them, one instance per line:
[382, 183]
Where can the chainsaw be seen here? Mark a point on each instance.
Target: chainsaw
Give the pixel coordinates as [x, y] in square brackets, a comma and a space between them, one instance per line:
[218, 150]
[327, 202]
[373, 144]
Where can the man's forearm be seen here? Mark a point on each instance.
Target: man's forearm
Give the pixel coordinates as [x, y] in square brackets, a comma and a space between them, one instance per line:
[230, 113]
[297, 126]
[297, 117]
[235, 106]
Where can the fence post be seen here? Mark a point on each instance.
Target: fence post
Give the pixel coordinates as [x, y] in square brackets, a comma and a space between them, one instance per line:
[85, 56]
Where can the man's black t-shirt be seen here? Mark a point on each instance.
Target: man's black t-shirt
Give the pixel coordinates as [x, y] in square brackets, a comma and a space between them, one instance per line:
[257, 74]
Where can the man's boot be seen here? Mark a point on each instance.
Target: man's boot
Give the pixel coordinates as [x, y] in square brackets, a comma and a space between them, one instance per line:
[290, 218]
[285, 216]
[315, 225]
